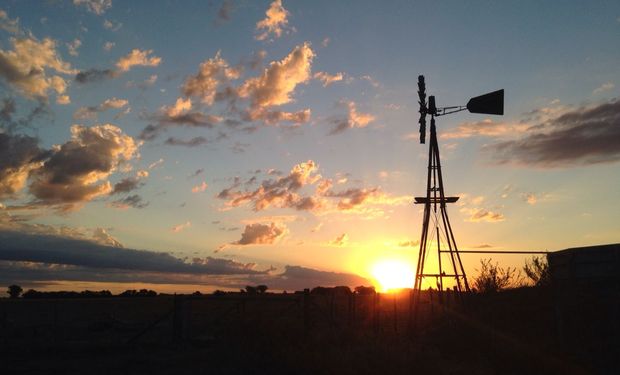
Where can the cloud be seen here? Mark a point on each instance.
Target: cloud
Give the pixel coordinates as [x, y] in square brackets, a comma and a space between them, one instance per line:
[409, 243]
[481, 214]
[94, 75]
[211, 74]
[340, 240]
[200, 188]
[327, 79]
[134, 201]
[130, 183]
[7, 24]
[581, 136]
[112, 26]
[354, 119]
[274, 23]
[486, 128]
[180, 227]
[137, 57]
[90, 113]
[107, 46]
[261, 234]
[50, 249]
[286, 192]
[225, 11]
[77, 170]
[27, 67]
[94, 6]
[19, 155]
[63, 99]
[73, 47]
[156, 164]
[178, 114]
[198, 172]
[280, 192]
[102, 237]
[605, 87]
[144, 84]
[275, 86]
[192, 142]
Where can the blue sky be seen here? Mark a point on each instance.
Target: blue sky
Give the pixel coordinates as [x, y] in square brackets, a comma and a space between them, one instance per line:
[329, 87]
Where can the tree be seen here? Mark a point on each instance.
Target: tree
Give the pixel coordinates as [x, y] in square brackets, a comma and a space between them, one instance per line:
[15, 291]
[261, 289]
[493, 278]
[537, 270]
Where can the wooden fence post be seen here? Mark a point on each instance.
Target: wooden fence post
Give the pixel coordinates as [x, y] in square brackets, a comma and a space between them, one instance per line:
[306, 306]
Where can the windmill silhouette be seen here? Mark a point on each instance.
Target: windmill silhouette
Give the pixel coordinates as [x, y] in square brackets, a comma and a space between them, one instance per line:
[436, 223]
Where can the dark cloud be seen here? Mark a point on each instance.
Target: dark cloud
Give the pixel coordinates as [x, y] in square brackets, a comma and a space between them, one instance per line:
[225, 11]
[134, 201]
[77, 171]
[126, 185]
[192, 142]
[94, 75]
[16, 246]
[582, 136]
[198, 172]
[9, 109]
[19, 155]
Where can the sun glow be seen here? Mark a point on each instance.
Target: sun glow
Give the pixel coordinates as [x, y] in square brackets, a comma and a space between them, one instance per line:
[393, 274]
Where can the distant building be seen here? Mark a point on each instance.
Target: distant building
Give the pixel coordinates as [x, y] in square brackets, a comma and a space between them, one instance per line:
[590, 267]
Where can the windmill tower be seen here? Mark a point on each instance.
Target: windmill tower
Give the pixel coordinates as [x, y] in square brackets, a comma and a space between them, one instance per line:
[437, 241]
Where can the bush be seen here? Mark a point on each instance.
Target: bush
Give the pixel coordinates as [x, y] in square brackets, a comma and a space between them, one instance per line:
[537, 270]
[493, 278]
[14, 291]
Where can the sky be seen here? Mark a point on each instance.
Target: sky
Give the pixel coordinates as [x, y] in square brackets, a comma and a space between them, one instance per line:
[210, 145]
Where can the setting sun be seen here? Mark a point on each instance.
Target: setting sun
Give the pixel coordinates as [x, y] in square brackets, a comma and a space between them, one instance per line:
[393, 274]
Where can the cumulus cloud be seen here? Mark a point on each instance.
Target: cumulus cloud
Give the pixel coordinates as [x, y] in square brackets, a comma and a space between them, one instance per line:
[353, 119]
[90, 113]
[409, 243]
[200, 188]
[112, 26]
[287, 192]
[275, 86]
[340, 240]
[137, 57]
[211, 74]
[28, 66]
[94, 6]
[261, 234]
[578, 136]
[19, 155]
[178, 114]
[73, 47]
[327, 79]
[274, 23]
[77, 170]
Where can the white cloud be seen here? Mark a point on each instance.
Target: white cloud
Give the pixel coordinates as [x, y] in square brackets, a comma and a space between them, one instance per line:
[274, 22]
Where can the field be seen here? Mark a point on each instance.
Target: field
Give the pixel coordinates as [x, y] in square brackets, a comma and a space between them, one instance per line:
[513, 332]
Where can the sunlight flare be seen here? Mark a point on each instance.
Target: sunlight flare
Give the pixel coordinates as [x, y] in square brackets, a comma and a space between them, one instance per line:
[393, 274]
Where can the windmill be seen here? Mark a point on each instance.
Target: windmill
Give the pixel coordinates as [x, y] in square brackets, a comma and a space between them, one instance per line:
[436, 224]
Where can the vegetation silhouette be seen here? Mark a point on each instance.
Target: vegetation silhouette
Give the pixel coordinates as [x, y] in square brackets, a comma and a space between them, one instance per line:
[14, 291]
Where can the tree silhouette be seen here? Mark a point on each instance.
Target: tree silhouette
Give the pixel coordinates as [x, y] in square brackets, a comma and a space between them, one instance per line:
[493, 278]
[15, 291]
[261, 288]
[537, 270]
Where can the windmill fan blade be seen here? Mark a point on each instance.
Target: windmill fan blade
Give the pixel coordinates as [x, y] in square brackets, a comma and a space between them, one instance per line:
[491, 103]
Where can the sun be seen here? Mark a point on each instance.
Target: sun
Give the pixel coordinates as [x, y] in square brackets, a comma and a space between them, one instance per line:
[393, 274]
